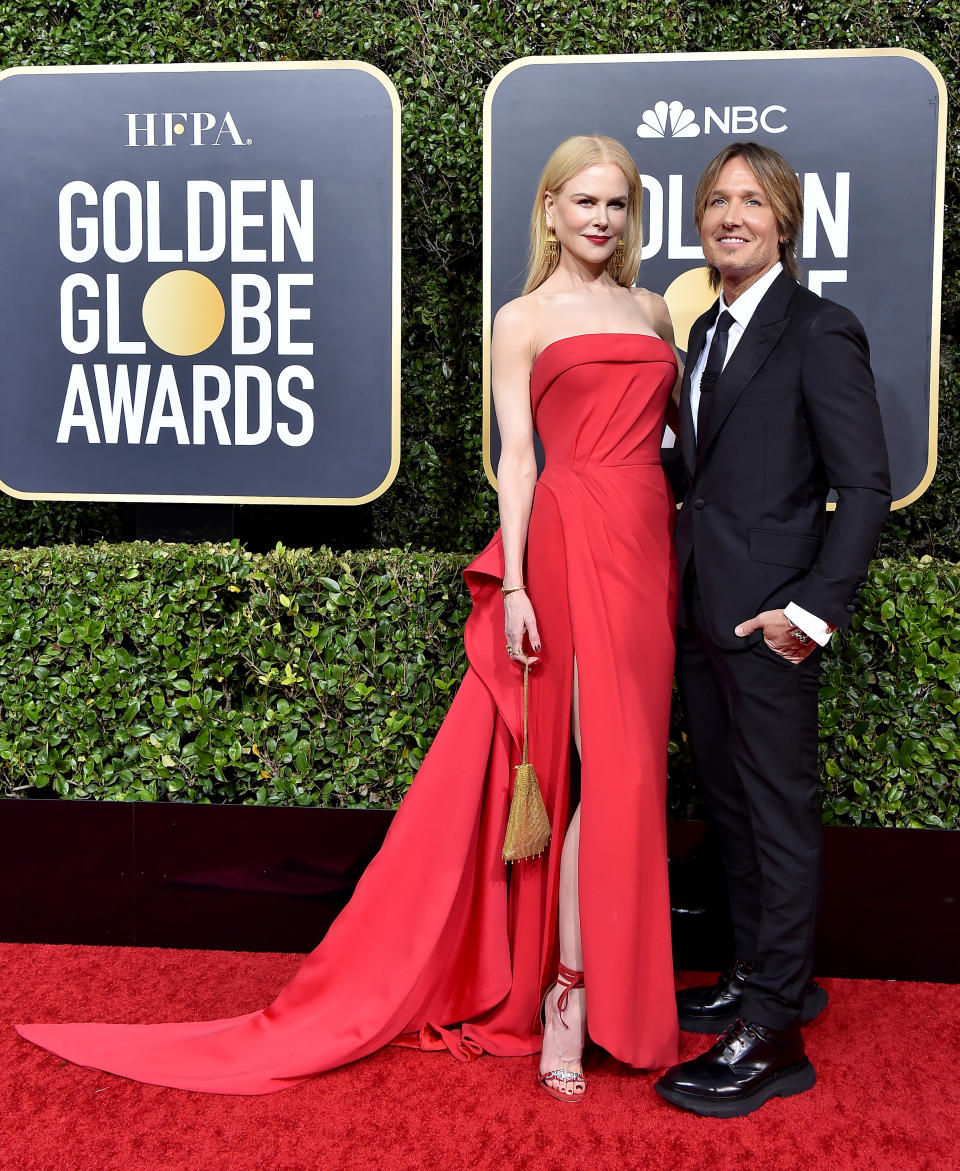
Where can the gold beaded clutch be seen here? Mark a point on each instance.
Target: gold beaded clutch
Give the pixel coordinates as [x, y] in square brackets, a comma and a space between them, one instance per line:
[528, 827]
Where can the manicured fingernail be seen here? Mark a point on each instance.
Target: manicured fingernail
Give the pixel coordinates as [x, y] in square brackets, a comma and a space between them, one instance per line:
[739, 631]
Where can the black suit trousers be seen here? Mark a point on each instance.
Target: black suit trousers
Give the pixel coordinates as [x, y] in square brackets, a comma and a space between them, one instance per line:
[752, 723]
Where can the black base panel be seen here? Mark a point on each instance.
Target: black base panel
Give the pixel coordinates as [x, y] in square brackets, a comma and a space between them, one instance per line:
[239, 877]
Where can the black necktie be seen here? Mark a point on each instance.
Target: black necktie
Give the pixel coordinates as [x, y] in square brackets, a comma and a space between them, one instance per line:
[712, 370]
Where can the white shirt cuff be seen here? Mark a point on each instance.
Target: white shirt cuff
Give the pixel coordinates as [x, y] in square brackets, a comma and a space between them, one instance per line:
[809, 623]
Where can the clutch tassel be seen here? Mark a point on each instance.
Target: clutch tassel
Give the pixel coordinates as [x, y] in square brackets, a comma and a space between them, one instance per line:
[528, 826]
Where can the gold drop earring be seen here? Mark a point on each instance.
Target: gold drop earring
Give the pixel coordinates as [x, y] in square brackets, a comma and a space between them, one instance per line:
[616, 260]
[553, 248]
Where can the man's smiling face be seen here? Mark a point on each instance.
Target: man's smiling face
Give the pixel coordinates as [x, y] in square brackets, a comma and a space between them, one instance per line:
[739, 232]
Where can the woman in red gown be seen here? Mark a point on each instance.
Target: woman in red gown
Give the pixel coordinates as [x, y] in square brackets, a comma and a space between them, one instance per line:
[442, 945]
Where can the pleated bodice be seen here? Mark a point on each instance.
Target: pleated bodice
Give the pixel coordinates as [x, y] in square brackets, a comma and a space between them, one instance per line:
[598, 399]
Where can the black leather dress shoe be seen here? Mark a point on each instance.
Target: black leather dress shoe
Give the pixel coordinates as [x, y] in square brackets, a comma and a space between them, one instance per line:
[713, 1008]
[748, 1065]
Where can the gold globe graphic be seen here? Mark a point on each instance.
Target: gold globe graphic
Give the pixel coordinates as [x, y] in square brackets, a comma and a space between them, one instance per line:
[183, 312]
[687, 297]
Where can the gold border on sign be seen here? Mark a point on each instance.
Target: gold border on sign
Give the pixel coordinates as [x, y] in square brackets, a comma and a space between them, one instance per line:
[227, 67]
[808, 54]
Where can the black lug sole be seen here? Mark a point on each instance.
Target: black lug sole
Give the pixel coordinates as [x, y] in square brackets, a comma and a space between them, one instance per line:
[784, 1084]
[814, 1002]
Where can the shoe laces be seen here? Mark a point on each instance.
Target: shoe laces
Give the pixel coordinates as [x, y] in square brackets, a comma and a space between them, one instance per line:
[738, 1029]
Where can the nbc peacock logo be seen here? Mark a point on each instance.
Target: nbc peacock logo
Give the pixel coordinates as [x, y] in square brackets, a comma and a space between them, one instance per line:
[668, 120]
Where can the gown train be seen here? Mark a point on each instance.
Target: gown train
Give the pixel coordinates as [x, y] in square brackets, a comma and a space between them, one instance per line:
[442, 945]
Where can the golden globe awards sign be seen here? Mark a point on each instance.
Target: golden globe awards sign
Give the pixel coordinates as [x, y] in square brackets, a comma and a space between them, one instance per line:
[200, 294]
[866, 132]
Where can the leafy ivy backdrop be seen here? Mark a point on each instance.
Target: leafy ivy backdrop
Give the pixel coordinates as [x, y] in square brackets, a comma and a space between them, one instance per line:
[219, 689]
[205, 673]
[441, 55]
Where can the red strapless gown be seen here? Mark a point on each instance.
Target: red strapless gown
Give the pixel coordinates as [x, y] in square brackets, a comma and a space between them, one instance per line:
[442, 944]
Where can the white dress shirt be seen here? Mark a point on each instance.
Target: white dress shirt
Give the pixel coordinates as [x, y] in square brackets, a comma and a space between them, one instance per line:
[741, 311]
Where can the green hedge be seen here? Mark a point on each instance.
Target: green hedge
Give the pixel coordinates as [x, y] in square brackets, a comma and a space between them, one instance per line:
[155, 673]
[890, 703]
[441, 55]
[203, 673]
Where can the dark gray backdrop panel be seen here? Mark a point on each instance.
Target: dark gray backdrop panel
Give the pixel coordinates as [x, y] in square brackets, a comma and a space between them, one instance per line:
[874, 116]
[334, 126]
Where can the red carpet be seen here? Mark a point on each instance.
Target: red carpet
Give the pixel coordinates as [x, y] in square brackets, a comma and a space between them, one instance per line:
[888, 1093]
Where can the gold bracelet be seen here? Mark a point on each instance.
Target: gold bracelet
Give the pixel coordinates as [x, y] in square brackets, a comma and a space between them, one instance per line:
[511, 589]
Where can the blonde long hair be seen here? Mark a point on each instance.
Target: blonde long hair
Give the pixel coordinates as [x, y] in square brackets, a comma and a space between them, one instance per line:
[572, 156]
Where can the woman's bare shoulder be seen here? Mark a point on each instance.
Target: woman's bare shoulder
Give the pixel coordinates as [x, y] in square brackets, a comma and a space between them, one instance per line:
[651, 301]
[517, 321]
[656, 311]
[516, 313]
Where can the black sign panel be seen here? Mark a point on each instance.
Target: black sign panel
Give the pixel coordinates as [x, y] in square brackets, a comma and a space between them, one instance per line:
[201, 283]
[866, 132]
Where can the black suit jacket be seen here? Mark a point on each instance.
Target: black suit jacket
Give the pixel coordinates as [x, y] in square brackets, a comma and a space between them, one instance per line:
[795, 413]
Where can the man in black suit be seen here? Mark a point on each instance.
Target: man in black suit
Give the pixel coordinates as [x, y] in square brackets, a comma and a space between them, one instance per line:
[778, 406]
